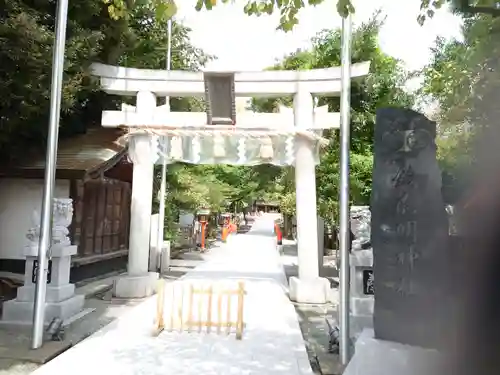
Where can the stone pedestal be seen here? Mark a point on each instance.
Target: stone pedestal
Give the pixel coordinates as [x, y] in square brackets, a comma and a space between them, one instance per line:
[61, 300]
[379, 357]
[129, 286]
[313, 291]
[165, 256]
[362, 297]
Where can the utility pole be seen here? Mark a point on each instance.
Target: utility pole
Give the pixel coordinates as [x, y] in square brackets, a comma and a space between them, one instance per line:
[45, 240]
[163, 186]
[345, 238]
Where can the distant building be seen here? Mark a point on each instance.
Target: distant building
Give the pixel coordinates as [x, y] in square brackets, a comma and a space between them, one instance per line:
[260, 205]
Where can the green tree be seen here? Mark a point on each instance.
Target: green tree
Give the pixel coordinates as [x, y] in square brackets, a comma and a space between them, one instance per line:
[463, 79]
[147, 48]
[136, 38]
[383, 87]
[463, 74]
[26, 38]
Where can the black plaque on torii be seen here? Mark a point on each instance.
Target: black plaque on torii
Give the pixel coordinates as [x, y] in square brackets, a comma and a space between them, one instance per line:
[409, 231]
[220, 98]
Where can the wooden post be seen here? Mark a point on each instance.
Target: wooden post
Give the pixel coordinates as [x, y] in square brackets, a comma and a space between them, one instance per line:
[180, 309]
[190, 308]
[160, 304]
[219, 312]
[239, 320]
[200, 309]
[228, 314]
[172, 306]
[209, 312]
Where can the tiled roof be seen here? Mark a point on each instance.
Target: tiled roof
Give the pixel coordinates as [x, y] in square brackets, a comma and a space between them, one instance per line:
[84, 153]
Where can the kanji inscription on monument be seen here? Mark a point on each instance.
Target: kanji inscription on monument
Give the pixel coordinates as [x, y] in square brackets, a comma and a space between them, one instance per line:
[34, 272]
[409, 229]
[368, 286]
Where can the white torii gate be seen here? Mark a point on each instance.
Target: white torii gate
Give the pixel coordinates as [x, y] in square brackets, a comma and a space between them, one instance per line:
[291, 137]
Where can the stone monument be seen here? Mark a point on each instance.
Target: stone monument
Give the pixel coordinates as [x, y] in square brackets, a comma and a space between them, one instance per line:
[409, 234]
[61, 300]
[409, 230]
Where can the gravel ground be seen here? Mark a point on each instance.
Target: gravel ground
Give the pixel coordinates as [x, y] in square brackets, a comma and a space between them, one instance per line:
[312, 317]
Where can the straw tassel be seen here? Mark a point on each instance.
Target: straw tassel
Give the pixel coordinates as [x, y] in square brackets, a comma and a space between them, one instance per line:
[266, 148]
[176, 148]
[219, 147]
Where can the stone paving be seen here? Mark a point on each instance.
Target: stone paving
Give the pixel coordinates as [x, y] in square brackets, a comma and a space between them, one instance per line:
[272, 342]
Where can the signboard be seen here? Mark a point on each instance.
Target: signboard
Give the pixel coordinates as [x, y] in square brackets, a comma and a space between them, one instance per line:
[368, 282]
[35, 270]
[220, 98]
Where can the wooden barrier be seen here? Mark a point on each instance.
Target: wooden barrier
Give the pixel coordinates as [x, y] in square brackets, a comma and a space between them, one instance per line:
[160, 306]
[188, 305]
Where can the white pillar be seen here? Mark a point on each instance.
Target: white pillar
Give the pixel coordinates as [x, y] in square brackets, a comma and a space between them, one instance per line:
[305, 185]
[143, 152]
[309, 287]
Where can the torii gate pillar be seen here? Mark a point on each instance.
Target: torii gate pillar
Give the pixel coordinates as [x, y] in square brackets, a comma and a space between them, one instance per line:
[308, 287]
[143, 152]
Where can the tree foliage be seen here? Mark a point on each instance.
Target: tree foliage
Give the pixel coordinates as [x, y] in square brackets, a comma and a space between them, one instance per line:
[463, 74]
[26, 38]
[288, 9]
[463, 79]
[26, 42]
[383, 87]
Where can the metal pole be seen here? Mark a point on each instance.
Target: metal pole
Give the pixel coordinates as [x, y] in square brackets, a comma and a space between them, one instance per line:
[345, 104]
[50, 173]
[169, 55]
[163, 186]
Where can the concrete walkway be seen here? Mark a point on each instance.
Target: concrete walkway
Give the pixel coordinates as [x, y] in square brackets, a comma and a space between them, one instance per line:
[272, 342]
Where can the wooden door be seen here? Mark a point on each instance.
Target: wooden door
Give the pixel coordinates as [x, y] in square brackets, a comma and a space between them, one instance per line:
[106, 216]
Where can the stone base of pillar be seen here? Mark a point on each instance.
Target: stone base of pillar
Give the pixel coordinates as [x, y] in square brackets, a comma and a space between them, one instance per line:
[313, 291]
[57, 293]
[135, 286]
[17, 312]
[362, 306]
[397, 358]
[358, 324]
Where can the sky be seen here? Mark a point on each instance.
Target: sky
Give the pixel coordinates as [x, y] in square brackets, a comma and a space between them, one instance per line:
[251, 43]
